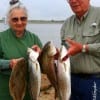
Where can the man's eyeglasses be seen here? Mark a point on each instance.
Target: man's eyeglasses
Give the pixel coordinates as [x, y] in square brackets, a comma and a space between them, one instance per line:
[71, 0]
[16, 19]
[68, 0]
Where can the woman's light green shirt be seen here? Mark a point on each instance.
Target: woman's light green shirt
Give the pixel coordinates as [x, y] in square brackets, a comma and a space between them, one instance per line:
[12, 47]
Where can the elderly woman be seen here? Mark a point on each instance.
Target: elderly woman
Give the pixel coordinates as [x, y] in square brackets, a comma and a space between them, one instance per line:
[13, 44]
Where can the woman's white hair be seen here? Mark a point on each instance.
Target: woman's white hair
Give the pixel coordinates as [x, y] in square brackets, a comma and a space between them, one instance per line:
[18, 5]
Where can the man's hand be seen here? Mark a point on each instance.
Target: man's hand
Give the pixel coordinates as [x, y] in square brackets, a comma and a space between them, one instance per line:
[74, 48]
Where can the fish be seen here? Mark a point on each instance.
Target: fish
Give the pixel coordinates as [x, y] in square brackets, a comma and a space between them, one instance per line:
[46, 56]
[17, 81]
[47, 63]
[34, 74]
[63, 75]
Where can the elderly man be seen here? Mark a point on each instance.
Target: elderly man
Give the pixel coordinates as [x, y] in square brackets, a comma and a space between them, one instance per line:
[81, 35]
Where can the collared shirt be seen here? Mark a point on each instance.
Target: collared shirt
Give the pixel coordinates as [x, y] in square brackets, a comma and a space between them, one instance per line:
[82, 18]
[85, 32]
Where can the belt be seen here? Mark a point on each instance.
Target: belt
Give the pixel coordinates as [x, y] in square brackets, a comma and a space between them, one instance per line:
[94, 75]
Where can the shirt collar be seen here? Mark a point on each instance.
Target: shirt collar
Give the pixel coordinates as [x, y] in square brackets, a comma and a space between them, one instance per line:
[84, 16]
[13, 32]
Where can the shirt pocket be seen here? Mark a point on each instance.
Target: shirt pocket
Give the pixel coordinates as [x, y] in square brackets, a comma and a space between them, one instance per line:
[92, 35]
[70, 36]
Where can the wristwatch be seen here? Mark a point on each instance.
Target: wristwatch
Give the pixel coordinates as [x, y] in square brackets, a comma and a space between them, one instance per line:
[84, 48]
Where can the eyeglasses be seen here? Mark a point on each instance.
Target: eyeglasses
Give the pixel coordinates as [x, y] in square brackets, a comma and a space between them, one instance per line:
[71, 0]
[68, 0]
[16, 19]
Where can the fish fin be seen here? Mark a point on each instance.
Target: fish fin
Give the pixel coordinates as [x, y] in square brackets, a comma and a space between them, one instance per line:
[57, 54]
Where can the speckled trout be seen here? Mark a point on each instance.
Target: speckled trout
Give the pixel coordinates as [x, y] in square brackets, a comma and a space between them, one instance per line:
[17, 82]
[34, 74]
[63, 75]
[47, 63]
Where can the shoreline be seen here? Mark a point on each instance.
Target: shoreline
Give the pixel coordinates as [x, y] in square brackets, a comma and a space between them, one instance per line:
[41, 21]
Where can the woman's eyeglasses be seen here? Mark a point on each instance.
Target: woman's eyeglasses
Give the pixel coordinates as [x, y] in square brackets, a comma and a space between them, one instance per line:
[16, 19]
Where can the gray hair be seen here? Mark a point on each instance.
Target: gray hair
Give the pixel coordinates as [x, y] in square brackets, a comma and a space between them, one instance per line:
[18, 5]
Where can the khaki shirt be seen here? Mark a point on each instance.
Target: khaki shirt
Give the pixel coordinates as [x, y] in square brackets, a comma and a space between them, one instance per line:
[86, 31]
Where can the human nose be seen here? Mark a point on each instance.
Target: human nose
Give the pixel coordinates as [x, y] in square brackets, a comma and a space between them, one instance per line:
[19, 22]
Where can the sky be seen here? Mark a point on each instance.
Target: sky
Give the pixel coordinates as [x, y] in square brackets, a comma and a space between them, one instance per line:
[44, 9]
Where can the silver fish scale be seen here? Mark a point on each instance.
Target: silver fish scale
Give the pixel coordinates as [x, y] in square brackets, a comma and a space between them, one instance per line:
[34, 78]
[63, 75]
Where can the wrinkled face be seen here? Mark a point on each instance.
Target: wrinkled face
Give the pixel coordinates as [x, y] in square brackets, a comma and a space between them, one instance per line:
[79, 7]
[18, 20]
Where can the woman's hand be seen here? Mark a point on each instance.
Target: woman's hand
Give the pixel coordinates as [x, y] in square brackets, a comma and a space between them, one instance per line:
[74, 48]
[13, 62]
[36, 48]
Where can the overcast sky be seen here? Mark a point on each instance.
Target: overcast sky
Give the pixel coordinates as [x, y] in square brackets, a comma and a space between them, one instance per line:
[44, 9]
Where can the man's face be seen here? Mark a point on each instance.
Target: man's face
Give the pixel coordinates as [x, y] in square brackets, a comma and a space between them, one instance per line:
[79, 7]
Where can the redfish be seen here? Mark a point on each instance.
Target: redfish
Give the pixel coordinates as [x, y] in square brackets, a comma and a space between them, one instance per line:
[47, 63]
[17, 82]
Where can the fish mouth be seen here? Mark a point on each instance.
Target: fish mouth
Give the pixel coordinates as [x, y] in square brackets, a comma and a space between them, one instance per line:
[52, 50]
[49, 49]
[63, 53]
[33, 55]
[29, 50]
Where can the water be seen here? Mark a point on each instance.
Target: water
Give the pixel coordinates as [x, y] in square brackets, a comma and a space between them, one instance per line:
[46, 32]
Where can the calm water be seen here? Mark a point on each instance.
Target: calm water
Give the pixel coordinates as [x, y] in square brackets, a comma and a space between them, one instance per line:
[45, 32]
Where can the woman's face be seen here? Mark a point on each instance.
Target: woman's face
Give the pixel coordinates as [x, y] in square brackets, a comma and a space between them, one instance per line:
[18, 20]
[79, 7]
